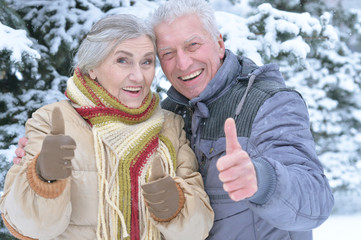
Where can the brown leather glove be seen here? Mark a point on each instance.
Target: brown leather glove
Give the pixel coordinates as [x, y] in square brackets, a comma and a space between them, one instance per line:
[54, 161]
[163, 196]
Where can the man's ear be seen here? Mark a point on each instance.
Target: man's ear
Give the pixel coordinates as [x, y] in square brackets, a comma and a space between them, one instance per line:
[222, 48]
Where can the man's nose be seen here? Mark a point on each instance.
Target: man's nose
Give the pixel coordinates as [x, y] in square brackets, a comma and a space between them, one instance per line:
[183, 60]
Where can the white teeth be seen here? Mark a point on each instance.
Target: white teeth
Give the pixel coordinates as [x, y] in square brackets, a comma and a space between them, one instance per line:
[193, 75]
[132, 89]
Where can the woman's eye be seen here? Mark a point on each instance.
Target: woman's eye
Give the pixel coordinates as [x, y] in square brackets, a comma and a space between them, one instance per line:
[148, 62]
[122, 60]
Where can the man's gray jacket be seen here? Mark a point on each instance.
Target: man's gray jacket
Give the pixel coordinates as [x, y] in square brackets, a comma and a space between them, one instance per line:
[273, 127]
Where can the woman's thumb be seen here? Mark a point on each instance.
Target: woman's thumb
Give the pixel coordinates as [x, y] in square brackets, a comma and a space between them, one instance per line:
[57, 127]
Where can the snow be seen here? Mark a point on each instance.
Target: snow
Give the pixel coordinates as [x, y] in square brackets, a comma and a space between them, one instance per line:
[339, 227]
[16, 42]
[301, 52]
[231, 20]
[8, 153]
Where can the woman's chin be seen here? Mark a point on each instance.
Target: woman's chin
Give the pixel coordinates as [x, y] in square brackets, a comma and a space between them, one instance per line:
[132, 104]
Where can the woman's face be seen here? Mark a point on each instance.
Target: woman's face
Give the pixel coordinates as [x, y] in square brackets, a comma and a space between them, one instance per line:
[127, 72]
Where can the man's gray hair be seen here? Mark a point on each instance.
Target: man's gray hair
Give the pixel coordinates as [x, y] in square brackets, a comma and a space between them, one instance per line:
[173, 9]
[105, 36]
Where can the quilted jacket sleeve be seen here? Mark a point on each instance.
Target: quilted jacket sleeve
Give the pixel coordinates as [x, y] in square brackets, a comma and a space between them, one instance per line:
[30, 207]
[294, 194]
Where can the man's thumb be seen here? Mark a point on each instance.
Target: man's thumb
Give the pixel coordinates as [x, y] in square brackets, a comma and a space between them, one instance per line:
[230, 132]
[57, 127]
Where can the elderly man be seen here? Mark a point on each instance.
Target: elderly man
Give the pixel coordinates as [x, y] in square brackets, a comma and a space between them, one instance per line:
[251, 134]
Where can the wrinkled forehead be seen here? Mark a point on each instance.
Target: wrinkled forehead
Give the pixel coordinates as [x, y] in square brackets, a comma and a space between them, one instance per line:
[181, 30]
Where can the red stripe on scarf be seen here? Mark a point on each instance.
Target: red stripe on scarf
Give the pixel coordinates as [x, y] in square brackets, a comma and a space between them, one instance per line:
[135, 171]
[91, 112]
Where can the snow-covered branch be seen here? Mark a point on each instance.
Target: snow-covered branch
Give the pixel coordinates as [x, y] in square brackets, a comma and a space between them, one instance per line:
[16, 42]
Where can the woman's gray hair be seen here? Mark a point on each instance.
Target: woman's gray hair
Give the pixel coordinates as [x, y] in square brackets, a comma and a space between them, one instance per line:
[173, 9]
[106, 34]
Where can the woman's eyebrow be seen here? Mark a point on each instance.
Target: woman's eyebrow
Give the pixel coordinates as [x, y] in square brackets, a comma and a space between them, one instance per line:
[130, 54]
[149, 54]
[125, 52]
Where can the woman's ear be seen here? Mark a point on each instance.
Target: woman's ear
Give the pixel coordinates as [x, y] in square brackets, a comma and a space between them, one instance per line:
[92, 74]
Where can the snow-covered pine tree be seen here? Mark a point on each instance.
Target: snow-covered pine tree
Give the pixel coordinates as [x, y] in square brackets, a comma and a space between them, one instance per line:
[314, 55]
[330, 81]
[54, 28]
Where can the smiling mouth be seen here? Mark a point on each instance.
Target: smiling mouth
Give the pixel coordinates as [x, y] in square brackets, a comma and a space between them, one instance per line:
[133, 90]
[191, 76]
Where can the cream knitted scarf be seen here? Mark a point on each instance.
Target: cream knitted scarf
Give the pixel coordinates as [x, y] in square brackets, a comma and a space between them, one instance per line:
[125, 141]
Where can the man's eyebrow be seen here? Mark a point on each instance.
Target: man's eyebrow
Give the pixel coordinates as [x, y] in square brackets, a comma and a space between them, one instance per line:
[191, 38]
[186, 41]
[164, 48]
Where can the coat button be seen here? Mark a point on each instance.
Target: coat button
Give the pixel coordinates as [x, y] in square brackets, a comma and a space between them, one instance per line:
[211, 150]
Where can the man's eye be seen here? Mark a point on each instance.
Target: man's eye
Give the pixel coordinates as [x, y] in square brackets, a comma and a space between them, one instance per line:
[167, 55]
[193, 46]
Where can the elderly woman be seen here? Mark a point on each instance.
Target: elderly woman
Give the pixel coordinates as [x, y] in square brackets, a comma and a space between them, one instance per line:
[108, 163]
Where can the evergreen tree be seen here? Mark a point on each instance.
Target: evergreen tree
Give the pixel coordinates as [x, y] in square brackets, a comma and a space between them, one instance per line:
[314, 55]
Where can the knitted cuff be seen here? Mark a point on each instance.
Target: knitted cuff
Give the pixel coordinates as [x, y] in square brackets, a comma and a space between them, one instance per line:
[42, 188]
[180, 206]
[266, 181]
[13, 231]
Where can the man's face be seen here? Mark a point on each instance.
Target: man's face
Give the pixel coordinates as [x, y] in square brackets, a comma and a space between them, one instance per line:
[188, 54]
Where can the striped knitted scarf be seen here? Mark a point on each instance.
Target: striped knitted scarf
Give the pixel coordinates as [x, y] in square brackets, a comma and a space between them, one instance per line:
[125, 141]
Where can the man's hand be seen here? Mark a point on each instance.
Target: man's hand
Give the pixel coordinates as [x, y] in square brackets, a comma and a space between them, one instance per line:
[20, 152]
[54, 161]
[236, 169]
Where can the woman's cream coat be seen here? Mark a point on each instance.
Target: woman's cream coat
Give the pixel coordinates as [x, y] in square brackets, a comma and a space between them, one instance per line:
[72, 214]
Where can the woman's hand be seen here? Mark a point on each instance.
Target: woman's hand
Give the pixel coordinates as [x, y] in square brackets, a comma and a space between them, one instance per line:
[163, 196]
[54, 161]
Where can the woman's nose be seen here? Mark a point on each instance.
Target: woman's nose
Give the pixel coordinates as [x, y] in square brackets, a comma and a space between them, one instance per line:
[136, 74]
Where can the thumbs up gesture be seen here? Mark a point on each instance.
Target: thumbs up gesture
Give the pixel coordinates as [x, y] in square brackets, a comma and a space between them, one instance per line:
[236, 169]
[54, 161]
[163, 196]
